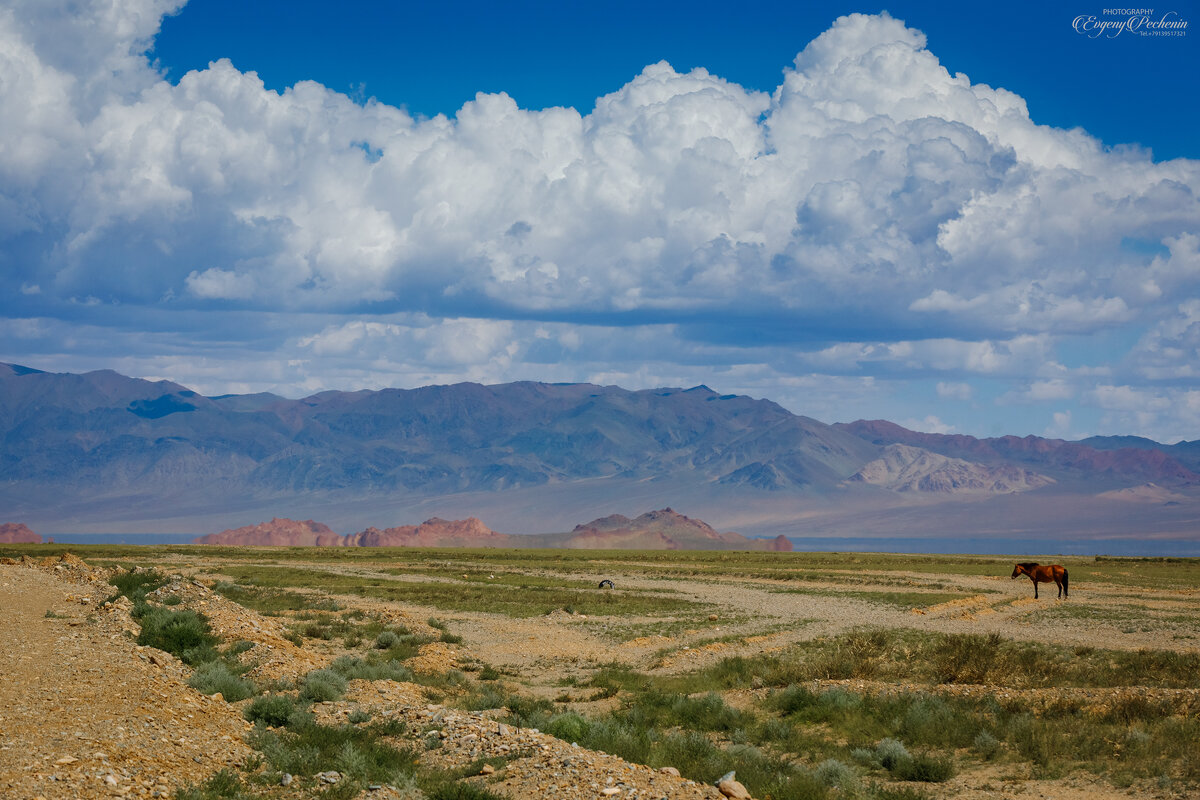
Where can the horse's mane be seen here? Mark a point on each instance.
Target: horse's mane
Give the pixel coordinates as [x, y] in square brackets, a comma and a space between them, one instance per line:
[1028, 564]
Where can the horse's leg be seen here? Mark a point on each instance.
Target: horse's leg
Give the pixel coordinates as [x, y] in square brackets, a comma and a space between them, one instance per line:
[1035, 597]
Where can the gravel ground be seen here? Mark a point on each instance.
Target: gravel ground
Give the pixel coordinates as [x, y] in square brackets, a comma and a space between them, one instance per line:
[85, 712]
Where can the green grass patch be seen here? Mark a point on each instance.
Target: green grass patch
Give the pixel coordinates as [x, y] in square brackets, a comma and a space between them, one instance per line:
[922, 656]
[305, 748]
[515, 601]
[897, 599]
[273, 601]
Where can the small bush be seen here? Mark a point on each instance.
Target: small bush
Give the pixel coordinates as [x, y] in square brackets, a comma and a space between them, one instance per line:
[986, 745]
[483, 698]
[834, 773]
[450, 638]
[322, 685]
[183, 634]
[237, 648]
[306, 748]
[890, 752]
[358, 716]
[924, 768]
[223, 785]
[172, 600]
[352, 668]
[138, 583]
[386, 639]
[569, 727]
[460, 790]
[274, 710]
[214, 676]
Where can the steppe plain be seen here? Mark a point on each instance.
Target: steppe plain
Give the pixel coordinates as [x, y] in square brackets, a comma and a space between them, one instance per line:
[483, 673]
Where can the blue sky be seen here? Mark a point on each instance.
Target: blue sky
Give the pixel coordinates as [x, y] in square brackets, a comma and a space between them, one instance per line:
[966, 219]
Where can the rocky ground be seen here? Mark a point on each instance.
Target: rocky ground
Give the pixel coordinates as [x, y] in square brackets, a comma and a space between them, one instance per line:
[87, 713]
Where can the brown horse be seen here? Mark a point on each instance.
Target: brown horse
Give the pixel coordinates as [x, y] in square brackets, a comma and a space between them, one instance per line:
[1043, 574]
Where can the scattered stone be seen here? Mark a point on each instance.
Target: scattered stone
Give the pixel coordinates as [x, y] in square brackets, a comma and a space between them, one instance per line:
[487, 769]
[669, 771]
[732, 788]
[66, 760]
[286, 779]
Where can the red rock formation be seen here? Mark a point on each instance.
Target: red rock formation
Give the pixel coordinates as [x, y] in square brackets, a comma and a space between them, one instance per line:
[18, 533]
[281, 532]
[666, 529]
[433, 532]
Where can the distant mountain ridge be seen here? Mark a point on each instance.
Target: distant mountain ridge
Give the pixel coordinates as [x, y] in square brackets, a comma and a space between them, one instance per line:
[101, 451]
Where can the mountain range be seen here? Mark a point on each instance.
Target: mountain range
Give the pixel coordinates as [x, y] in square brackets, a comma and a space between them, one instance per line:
[104, 452]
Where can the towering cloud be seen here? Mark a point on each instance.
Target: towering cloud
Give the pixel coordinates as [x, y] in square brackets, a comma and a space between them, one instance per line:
[873, 202]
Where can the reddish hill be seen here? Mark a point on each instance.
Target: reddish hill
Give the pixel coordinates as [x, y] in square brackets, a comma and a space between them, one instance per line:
[277, 532]
[18, 533]
[655, 530]
[666, 529]
[435, 532]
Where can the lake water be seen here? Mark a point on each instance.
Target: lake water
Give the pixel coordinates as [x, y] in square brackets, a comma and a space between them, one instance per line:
[1001, 546]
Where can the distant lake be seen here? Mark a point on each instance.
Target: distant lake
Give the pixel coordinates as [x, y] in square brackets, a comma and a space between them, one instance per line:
[120, 538]
[998, 546]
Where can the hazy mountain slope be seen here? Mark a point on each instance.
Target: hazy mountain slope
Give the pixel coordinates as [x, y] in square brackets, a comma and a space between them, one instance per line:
[1055, 457]
[903, 468]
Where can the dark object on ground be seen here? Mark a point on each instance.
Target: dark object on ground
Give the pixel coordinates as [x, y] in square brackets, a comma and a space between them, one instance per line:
[606, 584]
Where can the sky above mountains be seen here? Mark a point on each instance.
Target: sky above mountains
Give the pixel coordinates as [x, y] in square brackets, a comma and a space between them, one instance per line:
[980, 221]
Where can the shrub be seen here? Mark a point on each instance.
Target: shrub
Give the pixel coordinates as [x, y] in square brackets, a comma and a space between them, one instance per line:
[834, 773]
[986, 745]
[183, 634]
[273, 709]
[386, 639]
[793, 699]
[569, 727]
[460, 790]
[238, 647]
[306, 748]
[924, 768]
[358, 716]
[890, 752]
[483, 698]
[223, 785]
[352, 668]
[214, 676]
[138, 583]
[322, 685]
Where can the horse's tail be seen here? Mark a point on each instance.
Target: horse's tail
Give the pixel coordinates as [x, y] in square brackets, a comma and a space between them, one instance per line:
[1066, 591]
